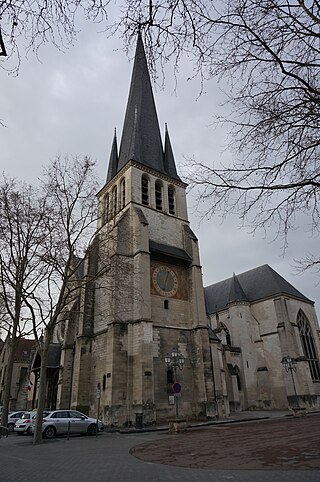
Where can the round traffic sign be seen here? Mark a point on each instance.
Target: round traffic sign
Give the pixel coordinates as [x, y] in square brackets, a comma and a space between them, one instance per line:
[176, 387]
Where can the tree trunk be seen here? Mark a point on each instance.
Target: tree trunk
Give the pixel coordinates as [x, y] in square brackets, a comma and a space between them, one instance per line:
[37, 437]
[7, 388]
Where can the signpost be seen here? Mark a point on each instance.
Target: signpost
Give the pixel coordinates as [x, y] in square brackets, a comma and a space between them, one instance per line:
[98, 397]
[176, 390]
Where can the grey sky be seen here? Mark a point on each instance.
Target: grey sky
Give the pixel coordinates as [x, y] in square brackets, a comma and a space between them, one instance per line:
[71, 102]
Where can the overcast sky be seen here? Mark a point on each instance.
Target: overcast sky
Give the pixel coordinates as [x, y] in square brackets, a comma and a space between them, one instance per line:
[71, 102]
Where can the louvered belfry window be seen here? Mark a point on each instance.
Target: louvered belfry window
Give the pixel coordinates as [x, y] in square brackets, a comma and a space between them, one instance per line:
[171, 200]
[106, 208]
[158, 192]
[114, 201]
[123, 193]
[308, 345]
[145, 190]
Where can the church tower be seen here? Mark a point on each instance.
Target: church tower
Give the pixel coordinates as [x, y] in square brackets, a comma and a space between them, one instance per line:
[147, 296]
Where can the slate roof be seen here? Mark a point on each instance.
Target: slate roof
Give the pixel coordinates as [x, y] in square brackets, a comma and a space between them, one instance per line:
[256, 284]
[23, 350]
[168, 251]
[236, 292]
[141, 139]
[53, 357]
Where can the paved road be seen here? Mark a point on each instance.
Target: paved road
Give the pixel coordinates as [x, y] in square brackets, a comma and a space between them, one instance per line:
[107, 458]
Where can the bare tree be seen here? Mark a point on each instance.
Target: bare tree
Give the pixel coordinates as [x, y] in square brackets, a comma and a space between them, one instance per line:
[69, 187]
[22, 245]
[27, 25]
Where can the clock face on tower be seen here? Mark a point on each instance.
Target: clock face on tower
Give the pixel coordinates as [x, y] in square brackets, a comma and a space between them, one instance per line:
[165, 281]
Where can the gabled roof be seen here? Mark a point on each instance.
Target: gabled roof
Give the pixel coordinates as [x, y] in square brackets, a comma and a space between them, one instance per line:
[23, 350]
[256, 284]
[141, 138]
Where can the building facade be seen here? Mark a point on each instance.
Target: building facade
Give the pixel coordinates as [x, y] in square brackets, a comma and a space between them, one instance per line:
[20, 389]
[146, 294]
[144, 297]
[257, 319]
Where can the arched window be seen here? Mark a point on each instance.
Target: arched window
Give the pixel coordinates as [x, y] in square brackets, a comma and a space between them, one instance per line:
[308, 345]
[228, 338]
[114, 200]
[171, 200]
[145, 190]
[123, 193]
[158, 192]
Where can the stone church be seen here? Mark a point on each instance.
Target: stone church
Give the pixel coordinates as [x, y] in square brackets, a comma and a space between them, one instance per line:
[145, 338]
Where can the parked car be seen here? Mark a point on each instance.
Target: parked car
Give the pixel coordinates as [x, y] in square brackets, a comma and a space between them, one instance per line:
[59, 422]
[12, 418]
[23, 425]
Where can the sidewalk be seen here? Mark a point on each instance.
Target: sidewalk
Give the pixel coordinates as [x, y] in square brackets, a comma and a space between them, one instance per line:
[235, 417]
[256, 442]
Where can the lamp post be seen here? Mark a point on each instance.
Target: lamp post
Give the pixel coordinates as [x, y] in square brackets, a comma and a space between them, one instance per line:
[175, 360]
[290, 365]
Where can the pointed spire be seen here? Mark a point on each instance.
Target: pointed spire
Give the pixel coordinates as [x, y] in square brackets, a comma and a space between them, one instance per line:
[141, 139]
[169, 164]
[236, 292]
[113, 161]
[141, 125]
[135, 142]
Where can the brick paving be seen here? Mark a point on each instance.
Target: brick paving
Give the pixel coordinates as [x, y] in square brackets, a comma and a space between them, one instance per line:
[281, 444]
[107, 458]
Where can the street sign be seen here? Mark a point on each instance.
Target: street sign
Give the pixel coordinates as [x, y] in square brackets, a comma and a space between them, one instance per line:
[98, 391]
[176, 387]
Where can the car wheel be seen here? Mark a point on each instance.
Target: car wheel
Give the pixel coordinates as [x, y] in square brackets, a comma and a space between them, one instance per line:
[10, 427]
[49, 432]
[92, 429]
[28, 431]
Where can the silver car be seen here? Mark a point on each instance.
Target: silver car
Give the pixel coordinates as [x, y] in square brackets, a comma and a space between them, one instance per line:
[12, 419]
[23, 425]
[60, 422]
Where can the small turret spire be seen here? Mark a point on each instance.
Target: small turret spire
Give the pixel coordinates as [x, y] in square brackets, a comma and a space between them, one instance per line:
[236, 292]
[113, 161]
[169, 163]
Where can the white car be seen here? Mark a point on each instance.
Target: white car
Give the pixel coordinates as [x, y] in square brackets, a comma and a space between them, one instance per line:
[61, 422]
[12, 418]
[24, 423]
